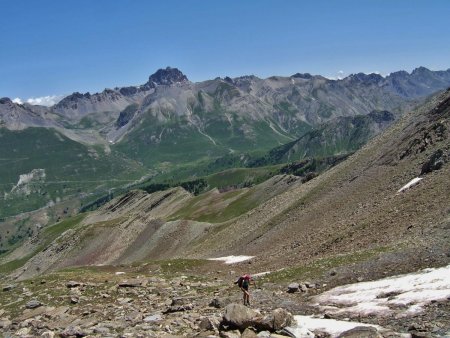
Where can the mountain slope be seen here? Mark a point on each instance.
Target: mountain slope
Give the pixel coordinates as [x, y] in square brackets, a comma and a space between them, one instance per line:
[40, 166]
[353, 211]
[355, 205]
[340, 136]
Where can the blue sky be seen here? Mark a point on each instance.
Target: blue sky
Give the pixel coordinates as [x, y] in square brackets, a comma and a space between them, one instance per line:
[58, 47]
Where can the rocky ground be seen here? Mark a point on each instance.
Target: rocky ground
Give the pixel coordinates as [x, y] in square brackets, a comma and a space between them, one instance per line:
[179, 298]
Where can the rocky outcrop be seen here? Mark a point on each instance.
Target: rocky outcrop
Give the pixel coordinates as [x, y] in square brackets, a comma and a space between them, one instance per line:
[237, 316]
[361, 332]
[240, 317]
[166, 77]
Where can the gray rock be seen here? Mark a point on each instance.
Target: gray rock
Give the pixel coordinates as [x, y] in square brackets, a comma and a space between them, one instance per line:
[8, 287]
[23, 332]
[217, 303]
[48, 334]
[32, 304]
[5, 323]
[275, 321]
[153, 318]
[420, 334]
[230, 334]
[179, 308]
[132, 283]
[207, 324]
[240, 317]
[248, 333]
[281, 319]
[310, 285]
[72, 331]
[177, 301]
[361, 332]
[73, 284]
[101, 330]
[293, 287]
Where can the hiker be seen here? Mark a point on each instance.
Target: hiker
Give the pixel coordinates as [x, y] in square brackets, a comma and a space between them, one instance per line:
[244, 282]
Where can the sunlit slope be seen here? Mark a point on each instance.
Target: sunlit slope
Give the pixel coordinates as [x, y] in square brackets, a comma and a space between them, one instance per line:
[355, 205]
[62, 167]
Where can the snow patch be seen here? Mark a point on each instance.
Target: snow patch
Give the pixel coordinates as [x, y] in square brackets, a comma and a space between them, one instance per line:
[410, 184]
[232, 259]
[403, 295]
[307, 324]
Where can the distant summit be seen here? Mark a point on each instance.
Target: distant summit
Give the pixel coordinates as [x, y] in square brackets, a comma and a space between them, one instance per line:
[167, 77]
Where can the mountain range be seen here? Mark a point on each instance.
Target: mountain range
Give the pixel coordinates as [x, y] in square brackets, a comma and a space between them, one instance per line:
[171, 128]
[118, 208]
[356, 206]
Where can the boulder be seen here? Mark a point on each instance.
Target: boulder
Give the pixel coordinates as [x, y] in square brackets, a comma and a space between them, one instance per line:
[281, 319]
[230, 334]
[248, 333]
[207, 324]
[277, 320]
[32, 304]
[179, 308]
[153, 318]
[217, 303]
[420, 334]
[361, 332]
[8, 287]
[293, 287]
[72, 331]
[240, 317]
[132, 283]
[5, 323]
[48, 334]
[73, 284]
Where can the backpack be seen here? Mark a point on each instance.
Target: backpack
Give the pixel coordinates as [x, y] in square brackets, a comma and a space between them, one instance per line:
[239, 281]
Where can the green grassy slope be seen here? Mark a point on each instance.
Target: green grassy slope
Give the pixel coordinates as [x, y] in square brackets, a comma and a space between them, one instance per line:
[180, 141]
[70, 168]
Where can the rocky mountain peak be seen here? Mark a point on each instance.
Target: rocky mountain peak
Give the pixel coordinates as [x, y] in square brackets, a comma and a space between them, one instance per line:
[306, 76]
[371, 78]
[167, 77]
[5, 100]
[420, 70]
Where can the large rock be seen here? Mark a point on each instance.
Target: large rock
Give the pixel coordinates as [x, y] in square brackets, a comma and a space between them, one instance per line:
[240, 317]
[249, 334]
[32, 304]
[293, 287]
[361, 332]
[277, 320]
[230, 334]
[8, 287]
[72, 331]
[131, 283]
[217, 303]
[280, 319]
[73, 284]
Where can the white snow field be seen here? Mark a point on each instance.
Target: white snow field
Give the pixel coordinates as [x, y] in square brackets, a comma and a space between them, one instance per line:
[402, 295]
[232, 259]
[307, 324]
